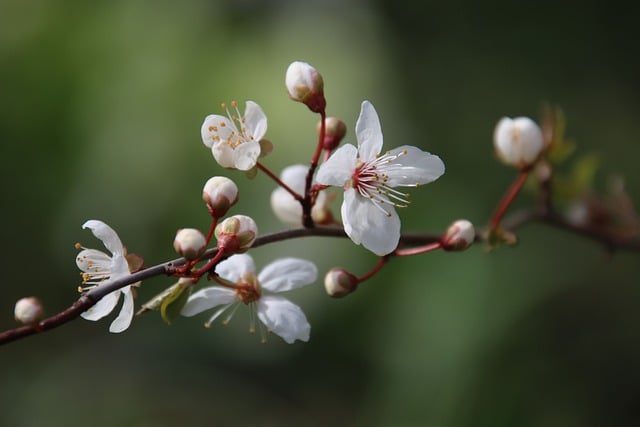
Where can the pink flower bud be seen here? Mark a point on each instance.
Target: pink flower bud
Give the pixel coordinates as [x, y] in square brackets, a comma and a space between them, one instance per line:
[305, 85]
[219, 193]
[335, 130]
[190, 243]
[236, 234]
[518, 142]
[339, 282]
[459, 236]
[28, 310]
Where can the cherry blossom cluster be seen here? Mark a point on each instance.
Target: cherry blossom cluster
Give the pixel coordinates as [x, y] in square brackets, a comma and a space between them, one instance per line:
[372, 181]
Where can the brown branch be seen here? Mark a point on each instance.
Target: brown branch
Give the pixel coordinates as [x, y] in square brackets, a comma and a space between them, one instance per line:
[512, 222]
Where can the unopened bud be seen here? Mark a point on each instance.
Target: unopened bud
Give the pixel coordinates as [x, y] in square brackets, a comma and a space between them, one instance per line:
[28, 310]
[334, 131]
[236, 234]
[190, 243]
[219, 193]
[304, 84]
[339, 282]
[518, 142]
[459, 236]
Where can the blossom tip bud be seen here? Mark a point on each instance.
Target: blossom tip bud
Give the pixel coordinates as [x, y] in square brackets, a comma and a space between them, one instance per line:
[28, 310]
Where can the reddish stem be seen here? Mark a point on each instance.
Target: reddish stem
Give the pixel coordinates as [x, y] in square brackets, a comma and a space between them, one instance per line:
[212, 229]
[508, 198]
[418, 250]
[278, 181]
[307, 221]
[381, 262]
[213, 261]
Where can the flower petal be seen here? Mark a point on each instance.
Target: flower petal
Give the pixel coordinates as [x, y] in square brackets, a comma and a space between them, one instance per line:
[367, 224]
[105, 233]
[216, 128]
[207, 298]
[123, 320]
[245, 155]
[287, 273]
[285, 207]
[368, 132]
[234, 267]
[93, 261]
[223, 154]
[413, 168]
[255, 121]
[102, 307]
[284, 318]
[339, 168]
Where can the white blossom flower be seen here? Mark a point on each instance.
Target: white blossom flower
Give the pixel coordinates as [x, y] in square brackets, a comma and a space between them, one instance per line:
[369, 178]
[235, 146]
[99, 269]
[287, 208]
[278, 314]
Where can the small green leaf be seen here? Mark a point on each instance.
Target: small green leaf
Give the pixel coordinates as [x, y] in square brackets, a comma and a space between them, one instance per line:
[175, 300]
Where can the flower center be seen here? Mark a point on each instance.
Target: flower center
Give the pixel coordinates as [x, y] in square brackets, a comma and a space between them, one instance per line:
[235, 137]
[248, 288]
[371, 178]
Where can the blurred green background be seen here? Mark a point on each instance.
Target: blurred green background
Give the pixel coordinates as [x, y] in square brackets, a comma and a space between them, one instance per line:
[101, 107]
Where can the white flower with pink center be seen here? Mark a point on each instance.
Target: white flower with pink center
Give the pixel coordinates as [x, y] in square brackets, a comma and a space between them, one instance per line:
[369, 180]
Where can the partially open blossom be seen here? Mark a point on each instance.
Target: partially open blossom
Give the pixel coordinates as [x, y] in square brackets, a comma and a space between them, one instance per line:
[190, 243]
[335, 130]
[235, 139]
[518, 142]
[459, 236]
[28, 310]
[258, 291]
[339, 282]
[219, 193]
[236, 234]
[304, 84]
[369, 177]
[287, 208]
[99, 269]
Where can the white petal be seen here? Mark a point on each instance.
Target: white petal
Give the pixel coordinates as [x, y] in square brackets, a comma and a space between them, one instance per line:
[245, 155]
[93, 261]
[284, 318]
[287, 273]
[207, 298]
[215, 128]
[255, 121]
[368, 132]
[123, 320]
[415, 167]
[339, 168]
[285, 207]
[105, 233]
[223, 154]
[368, 225]
[234, 267]
[295, 176]
[102, 307]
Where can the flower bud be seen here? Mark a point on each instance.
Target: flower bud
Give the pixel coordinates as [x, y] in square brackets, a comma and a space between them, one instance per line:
[459, 236]
[335, 130]
[219, 193]
[190, 243]
[28, 310]
[518, 142]
[339, 282]
[236, 234]
[304, 84]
